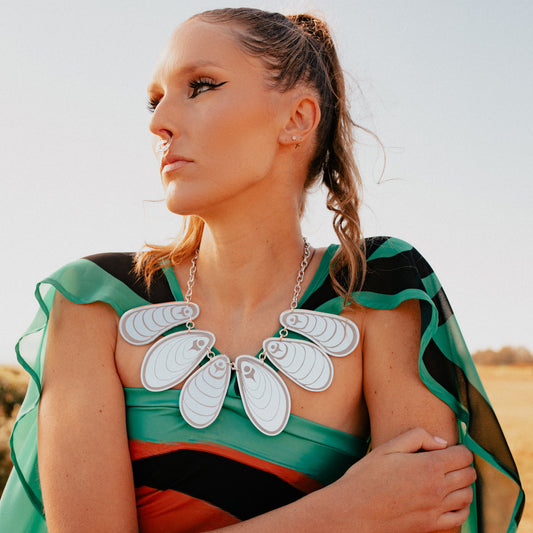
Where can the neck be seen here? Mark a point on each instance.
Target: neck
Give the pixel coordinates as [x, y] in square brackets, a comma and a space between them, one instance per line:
[251, 246]
[242, 267]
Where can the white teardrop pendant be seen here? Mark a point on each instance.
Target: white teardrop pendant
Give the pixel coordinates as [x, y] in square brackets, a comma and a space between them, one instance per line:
[336, 335]
[171, 359]
[302, 361]
[144, 324]
[264, 395]
[203, 394]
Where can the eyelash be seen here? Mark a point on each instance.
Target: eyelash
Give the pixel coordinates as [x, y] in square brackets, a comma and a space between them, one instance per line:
[151, 104]
[207, 83]
[197, 84]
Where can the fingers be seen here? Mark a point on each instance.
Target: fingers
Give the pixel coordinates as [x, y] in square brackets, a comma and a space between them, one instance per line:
[459, 499]
[455, 458]
[456, 504]
[413, 441]
[452, 519]
[459, 479]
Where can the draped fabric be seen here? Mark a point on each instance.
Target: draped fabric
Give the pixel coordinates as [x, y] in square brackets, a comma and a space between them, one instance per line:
[195, 480]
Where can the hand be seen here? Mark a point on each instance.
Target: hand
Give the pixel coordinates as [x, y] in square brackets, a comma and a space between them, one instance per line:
[395, 489]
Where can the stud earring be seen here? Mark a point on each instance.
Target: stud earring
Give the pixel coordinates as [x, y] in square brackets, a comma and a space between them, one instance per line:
[163, 145]
[297, 145]
[294, 138]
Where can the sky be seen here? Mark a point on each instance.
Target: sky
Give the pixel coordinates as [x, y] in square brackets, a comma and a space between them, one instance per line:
[446, 85]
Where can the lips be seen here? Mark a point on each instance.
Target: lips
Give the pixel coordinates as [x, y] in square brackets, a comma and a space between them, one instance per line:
[170, 163]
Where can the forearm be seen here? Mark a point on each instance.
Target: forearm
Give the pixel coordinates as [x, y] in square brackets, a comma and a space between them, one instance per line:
[315, 513]
[391, 489]
[348, 508]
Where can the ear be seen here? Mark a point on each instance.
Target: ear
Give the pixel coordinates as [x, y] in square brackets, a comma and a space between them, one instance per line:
[303, 120]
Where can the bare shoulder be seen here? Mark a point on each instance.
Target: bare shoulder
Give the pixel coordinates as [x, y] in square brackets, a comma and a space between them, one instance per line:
[384, 331]
[398, 325]
[64, 311]
[81, 341]
[396, 397]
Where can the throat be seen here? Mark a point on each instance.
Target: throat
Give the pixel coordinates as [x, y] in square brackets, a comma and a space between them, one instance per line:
[242, 312]
[240, 333]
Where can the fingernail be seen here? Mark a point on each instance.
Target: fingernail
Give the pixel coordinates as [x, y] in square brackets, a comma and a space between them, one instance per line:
[440, 441]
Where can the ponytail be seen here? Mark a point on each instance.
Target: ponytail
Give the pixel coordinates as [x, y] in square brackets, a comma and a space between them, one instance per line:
[334, 161]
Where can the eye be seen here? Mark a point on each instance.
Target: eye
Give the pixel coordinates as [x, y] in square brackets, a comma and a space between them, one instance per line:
[151, 104]
[202, 85]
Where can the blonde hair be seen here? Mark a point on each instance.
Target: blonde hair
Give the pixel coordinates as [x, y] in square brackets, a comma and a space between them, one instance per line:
[296, 49]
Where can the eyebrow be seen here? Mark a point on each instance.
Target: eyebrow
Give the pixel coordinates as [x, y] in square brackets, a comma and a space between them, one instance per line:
[187, 68]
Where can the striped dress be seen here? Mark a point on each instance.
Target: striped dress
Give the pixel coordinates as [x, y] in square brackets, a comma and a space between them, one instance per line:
[191, 480]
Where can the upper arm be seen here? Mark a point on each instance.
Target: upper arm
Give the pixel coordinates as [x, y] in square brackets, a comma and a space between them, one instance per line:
[84, 463]
[396, 398]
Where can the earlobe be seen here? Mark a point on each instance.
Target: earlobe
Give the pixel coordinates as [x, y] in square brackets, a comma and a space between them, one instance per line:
[303, 120]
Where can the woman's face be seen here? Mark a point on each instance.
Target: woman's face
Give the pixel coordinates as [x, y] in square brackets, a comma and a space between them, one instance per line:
[225, 123]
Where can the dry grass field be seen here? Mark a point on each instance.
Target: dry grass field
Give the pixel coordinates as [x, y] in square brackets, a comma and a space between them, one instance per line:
[510, 390]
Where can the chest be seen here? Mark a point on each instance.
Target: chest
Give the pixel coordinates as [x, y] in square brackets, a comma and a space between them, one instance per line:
[341, 406]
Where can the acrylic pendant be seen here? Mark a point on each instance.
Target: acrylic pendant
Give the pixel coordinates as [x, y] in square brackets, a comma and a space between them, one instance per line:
[171, 359]
[266, 400]
[336, 335]
[203, 394]
[302, 361]
[142, 325]
[264, 395]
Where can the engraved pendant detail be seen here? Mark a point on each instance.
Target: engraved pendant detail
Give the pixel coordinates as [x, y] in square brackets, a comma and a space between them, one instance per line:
[265, 396]
[303, 362]
[336, 335]
[142, 325]
[203, 394]
[171, 359]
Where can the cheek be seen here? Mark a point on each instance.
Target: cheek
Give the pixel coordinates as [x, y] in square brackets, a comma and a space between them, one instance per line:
[242, 136]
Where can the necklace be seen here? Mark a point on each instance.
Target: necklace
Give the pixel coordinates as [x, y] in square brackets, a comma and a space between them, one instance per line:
[265, 396]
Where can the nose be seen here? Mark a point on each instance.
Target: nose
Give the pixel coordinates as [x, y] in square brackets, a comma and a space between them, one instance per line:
[164, 125]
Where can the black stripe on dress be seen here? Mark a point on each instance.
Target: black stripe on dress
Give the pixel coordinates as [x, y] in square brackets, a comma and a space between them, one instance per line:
[120, 266]
[386, 275]
[234, 487]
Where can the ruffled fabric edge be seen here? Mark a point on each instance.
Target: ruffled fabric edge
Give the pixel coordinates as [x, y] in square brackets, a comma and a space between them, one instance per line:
[21, 506]
[447, 369]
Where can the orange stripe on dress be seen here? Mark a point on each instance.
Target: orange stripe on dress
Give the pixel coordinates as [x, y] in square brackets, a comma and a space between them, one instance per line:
[169, 511]
[143, 449]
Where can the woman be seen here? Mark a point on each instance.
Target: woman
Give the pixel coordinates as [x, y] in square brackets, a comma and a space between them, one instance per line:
[151, 418]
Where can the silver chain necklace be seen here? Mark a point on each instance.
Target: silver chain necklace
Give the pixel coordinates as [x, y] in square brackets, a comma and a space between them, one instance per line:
[266, 400]
[297, 288]
[294, 302]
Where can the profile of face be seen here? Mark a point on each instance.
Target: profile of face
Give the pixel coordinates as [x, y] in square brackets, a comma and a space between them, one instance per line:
[212, 100]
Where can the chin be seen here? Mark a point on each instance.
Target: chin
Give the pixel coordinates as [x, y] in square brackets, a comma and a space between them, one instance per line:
[197, 202]
[177, 208]
[185, 207]
[182, 202]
